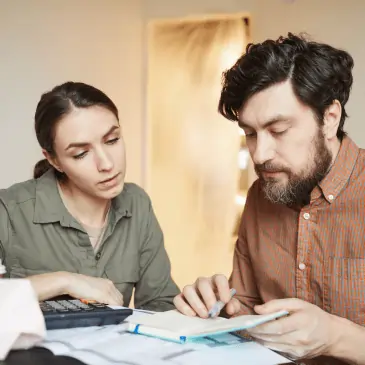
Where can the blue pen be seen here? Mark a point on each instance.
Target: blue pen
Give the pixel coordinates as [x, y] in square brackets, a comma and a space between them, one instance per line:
[218, 306]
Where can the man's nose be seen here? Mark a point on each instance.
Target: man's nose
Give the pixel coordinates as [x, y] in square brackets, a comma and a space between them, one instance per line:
[264, 150]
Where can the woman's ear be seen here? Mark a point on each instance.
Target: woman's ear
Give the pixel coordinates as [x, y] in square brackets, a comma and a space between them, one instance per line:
[331, 120]
[52, 160]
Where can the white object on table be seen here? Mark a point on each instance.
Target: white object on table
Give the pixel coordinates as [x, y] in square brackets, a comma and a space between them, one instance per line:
[21, 321]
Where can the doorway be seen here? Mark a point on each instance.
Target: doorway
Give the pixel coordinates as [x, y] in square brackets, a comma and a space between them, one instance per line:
[197, 176]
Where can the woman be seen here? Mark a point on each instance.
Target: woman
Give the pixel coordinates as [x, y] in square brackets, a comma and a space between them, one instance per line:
[77, 228]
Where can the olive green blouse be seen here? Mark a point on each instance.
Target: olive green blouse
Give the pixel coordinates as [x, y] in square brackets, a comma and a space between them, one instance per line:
[39, 235]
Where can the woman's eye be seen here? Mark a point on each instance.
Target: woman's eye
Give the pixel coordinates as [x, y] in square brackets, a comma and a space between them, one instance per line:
[112, 141]
[80, 155]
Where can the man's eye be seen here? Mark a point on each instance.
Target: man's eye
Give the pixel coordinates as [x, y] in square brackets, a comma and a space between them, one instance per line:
[279, 133]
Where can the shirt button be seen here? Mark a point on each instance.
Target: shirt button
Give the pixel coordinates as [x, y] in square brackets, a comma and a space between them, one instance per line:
[306, 215]
[302, 266]
[97, 256]
[331, 197]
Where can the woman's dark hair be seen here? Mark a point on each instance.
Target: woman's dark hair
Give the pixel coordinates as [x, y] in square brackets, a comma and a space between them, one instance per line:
[55, 105]
[318, 72]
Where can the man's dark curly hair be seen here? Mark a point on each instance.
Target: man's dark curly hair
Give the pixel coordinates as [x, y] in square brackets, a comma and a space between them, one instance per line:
[318, 72]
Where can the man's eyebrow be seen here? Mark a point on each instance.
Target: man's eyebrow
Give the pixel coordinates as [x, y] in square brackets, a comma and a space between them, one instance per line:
[84, 144]
[276, 119]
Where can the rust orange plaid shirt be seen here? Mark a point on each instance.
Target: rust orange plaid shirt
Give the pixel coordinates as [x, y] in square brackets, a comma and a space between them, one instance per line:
[316, 253]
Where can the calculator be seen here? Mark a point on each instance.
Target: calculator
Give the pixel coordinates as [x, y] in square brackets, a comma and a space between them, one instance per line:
[70, 313]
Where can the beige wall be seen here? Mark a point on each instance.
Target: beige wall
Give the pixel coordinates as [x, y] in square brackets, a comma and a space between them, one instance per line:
[47, 42]
[193, 169]
[43, 43]
[334, 21]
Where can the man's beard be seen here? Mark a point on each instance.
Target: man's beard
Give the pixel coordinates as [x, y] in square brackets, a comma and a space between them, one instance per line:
[297, 190]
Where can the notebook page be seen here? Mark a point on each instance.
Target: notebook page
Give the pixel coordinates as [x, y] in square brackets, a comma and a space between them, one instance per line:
[236, 323]
[176, 322]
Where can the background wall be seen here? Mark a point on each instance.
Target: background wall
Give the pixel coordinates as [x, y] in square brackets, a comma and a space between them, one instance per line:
[44, 43]
[193, 152]
[337, 22]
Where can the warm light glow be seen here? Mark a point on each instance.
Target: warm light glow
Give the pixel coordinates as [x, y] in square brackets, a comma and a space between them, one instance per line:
[230, 54]
[240, 200]
[243, 157]
[191, 159]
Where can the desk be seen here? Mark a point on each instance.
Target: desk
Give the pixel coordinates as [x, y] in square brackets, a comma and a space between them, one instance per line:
[40, 356]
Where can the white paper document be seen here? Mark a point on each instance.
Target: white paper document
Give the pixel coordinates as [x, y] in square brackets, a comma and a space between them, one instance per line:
[110, 345]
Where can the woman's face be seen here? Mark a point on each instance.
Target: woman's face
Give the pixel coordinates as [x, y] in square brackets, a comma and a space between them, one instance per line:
[90, 150]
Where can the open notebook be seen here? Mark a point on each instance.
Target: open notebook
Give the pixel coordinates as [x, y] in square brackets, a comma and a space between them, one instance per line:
[174, 326]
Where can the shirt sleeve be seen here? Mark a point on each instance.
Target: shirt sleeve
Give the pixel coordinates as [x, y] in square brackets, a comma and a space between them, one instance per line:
[242, 277]
[156, 289]
[4, 231]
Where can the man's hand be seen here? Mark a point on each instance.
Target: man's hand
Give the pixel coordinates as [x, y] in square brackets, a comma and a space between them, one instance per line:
[307, 332]
[199, 298]
[99, 289]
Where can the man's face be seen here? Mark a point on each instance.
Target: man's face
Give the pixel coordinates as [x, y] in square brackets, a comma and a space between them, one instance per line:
[286, 144]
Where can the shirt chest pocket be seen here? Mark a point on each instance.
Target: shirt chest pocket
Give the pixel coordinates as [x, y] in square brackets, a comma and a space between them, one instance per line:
[344, 288]
[26, 261]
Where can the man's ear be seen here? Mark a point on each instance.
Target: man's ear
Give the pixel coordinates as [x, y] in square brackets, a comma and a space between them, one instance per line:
[331, 120]
[52, 160]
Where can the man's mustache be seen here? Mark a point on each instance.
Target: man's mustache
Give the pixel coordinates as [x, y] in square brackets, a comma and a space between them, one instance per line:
[270, 167]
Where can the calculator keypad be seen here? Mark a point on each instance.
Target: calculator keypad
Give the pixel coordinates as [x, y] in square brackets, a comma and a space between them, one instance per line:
[73, 305]
[70, 306]
[56, 306]
[81, 305]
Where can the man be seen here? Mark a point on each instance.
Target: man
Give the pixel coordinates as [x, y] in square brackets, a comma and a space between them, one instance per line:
[301, 245]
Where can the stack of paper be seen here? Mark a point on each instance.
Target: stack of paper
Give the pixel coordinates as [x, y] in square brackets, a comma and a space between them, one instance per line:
[112, 345]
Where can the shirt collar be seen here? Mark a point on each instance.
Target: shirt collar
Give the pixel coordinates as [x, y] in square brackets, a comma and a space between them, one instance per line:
[48, 203]
[49, 207]
[338, 176]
